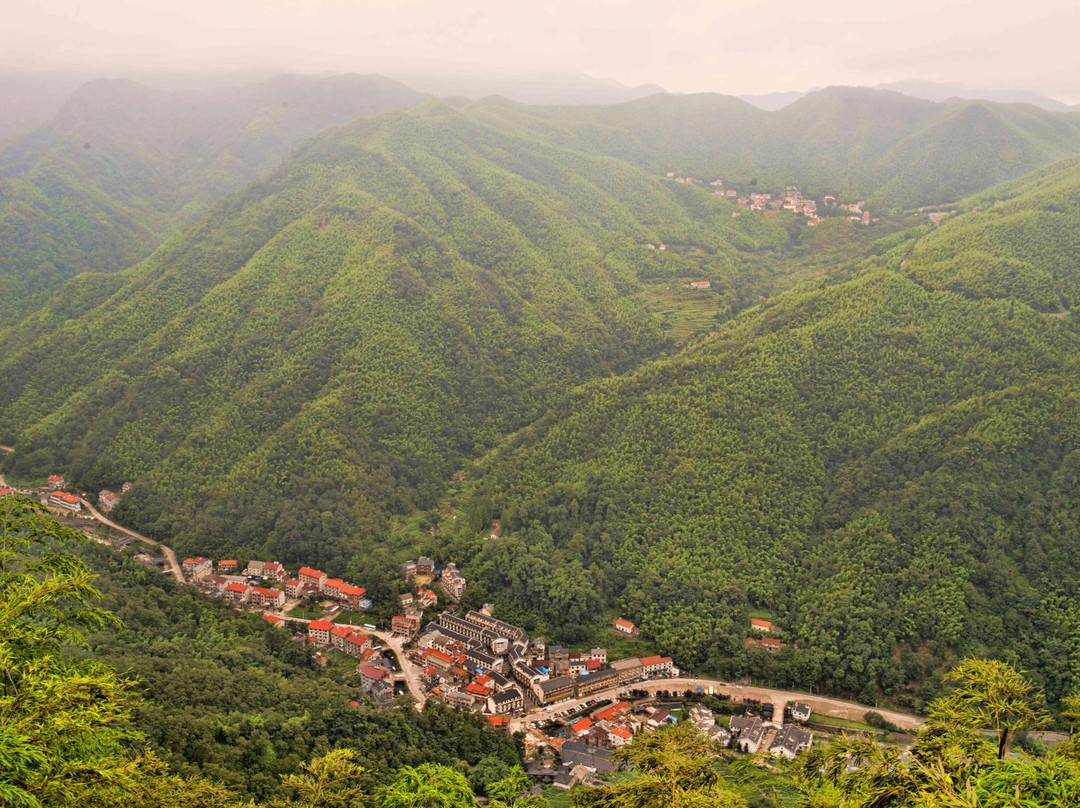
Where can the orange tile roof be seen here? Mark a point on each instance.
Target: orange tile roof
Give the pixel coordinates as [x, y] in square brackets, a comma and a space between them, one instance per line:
[320, 625]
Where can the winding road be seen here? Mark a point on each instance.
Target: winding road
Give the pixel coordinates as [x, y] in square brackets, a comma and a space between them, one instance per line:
[166, 551]
[834, 708]
[170, 557]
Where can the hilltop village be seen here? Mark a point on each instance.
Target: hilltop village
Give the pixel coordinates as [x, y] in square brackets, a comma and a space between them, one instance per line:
[790, 199]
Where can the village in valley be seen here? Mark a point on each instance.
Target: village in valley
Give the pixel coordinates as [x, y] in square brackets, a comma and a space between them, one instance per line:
[573, 708]
[580, 704]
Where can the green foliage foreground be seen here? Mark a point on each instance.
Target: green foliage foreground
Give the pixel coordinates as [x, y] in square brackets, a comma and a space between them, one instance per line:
[70, 727]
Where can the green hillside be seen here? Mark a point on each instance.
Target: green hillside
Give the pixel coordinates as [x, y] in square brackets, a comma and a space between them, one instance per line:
[121, 166]
[898, 152]
[329, 345]
[886, 467]
[1020, 241]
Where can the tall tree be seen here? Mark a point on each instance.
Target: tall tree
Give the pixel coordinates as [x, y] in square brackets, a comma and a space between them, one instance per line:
[427, 786]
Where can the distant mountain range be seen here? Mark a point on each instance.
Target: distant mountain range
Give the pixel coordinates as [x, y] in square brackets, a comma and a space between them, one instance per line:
[528, 87]
[122, 165]
[930, 91]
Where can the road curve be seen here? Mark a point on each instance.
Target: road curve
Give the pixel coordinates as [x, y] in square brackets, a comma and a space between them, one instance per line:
[170, 556]
[408, 670]
[835, 708]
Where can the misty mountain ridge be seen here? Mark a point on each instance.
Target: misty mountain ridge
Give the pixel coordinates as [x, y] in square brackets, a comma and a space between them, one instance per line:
[122, 165]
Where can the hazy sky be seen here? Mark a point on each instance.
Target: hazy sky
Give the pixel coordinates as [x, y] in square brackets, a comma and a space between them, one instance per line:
[736, 46]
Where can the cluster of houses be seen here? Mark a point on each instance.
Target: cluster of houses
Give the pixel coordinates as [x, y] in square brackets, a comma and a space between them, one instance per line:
[791, 199]
[423, 573]
[67, 502]
[107, 500]
[770, 644]
[580, 763]
[477, 662]
[376, 677]
[267, 584]
[752, 734]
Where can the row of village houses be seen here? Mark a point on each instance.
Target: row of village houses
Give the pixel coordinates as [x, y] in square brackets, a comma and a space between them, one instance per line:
[71, 503]
[244, 589]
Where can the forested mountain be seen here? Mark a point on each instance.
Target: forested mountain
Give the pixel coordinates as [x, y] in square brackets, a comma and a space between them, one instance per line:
[880, 458]
[121, 166]
[896, 151]
[1024, 243]
[886, 465]
[329, 345]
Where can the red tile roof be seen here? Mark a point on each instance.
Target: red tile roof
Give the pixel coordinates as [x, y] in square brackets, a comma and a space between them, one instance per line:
[349, 589]
[373, 672]
[272, 618]
[236, 587]
[498, 721]
[437, 654]
[320, 625]
[477, 690]
[622, 732]
[358, 638]
[332, 583]
[762, 624]
[342, 631]
[314, 573]
[581, 725]
[612, 712]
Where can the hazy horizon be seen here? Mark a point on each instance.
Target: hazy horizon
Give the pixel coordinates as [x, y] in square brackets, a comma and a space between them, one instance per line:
[739, 47]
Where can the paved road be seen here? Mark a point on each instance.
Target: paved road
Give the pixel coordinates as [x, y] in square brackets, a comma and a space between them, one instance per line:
[835, 708]
[170, 556]
[408, 670]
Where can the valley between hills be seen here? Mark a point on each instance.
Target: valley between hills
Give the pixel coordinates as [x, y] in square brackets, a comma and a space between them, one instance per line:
[793, 395]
